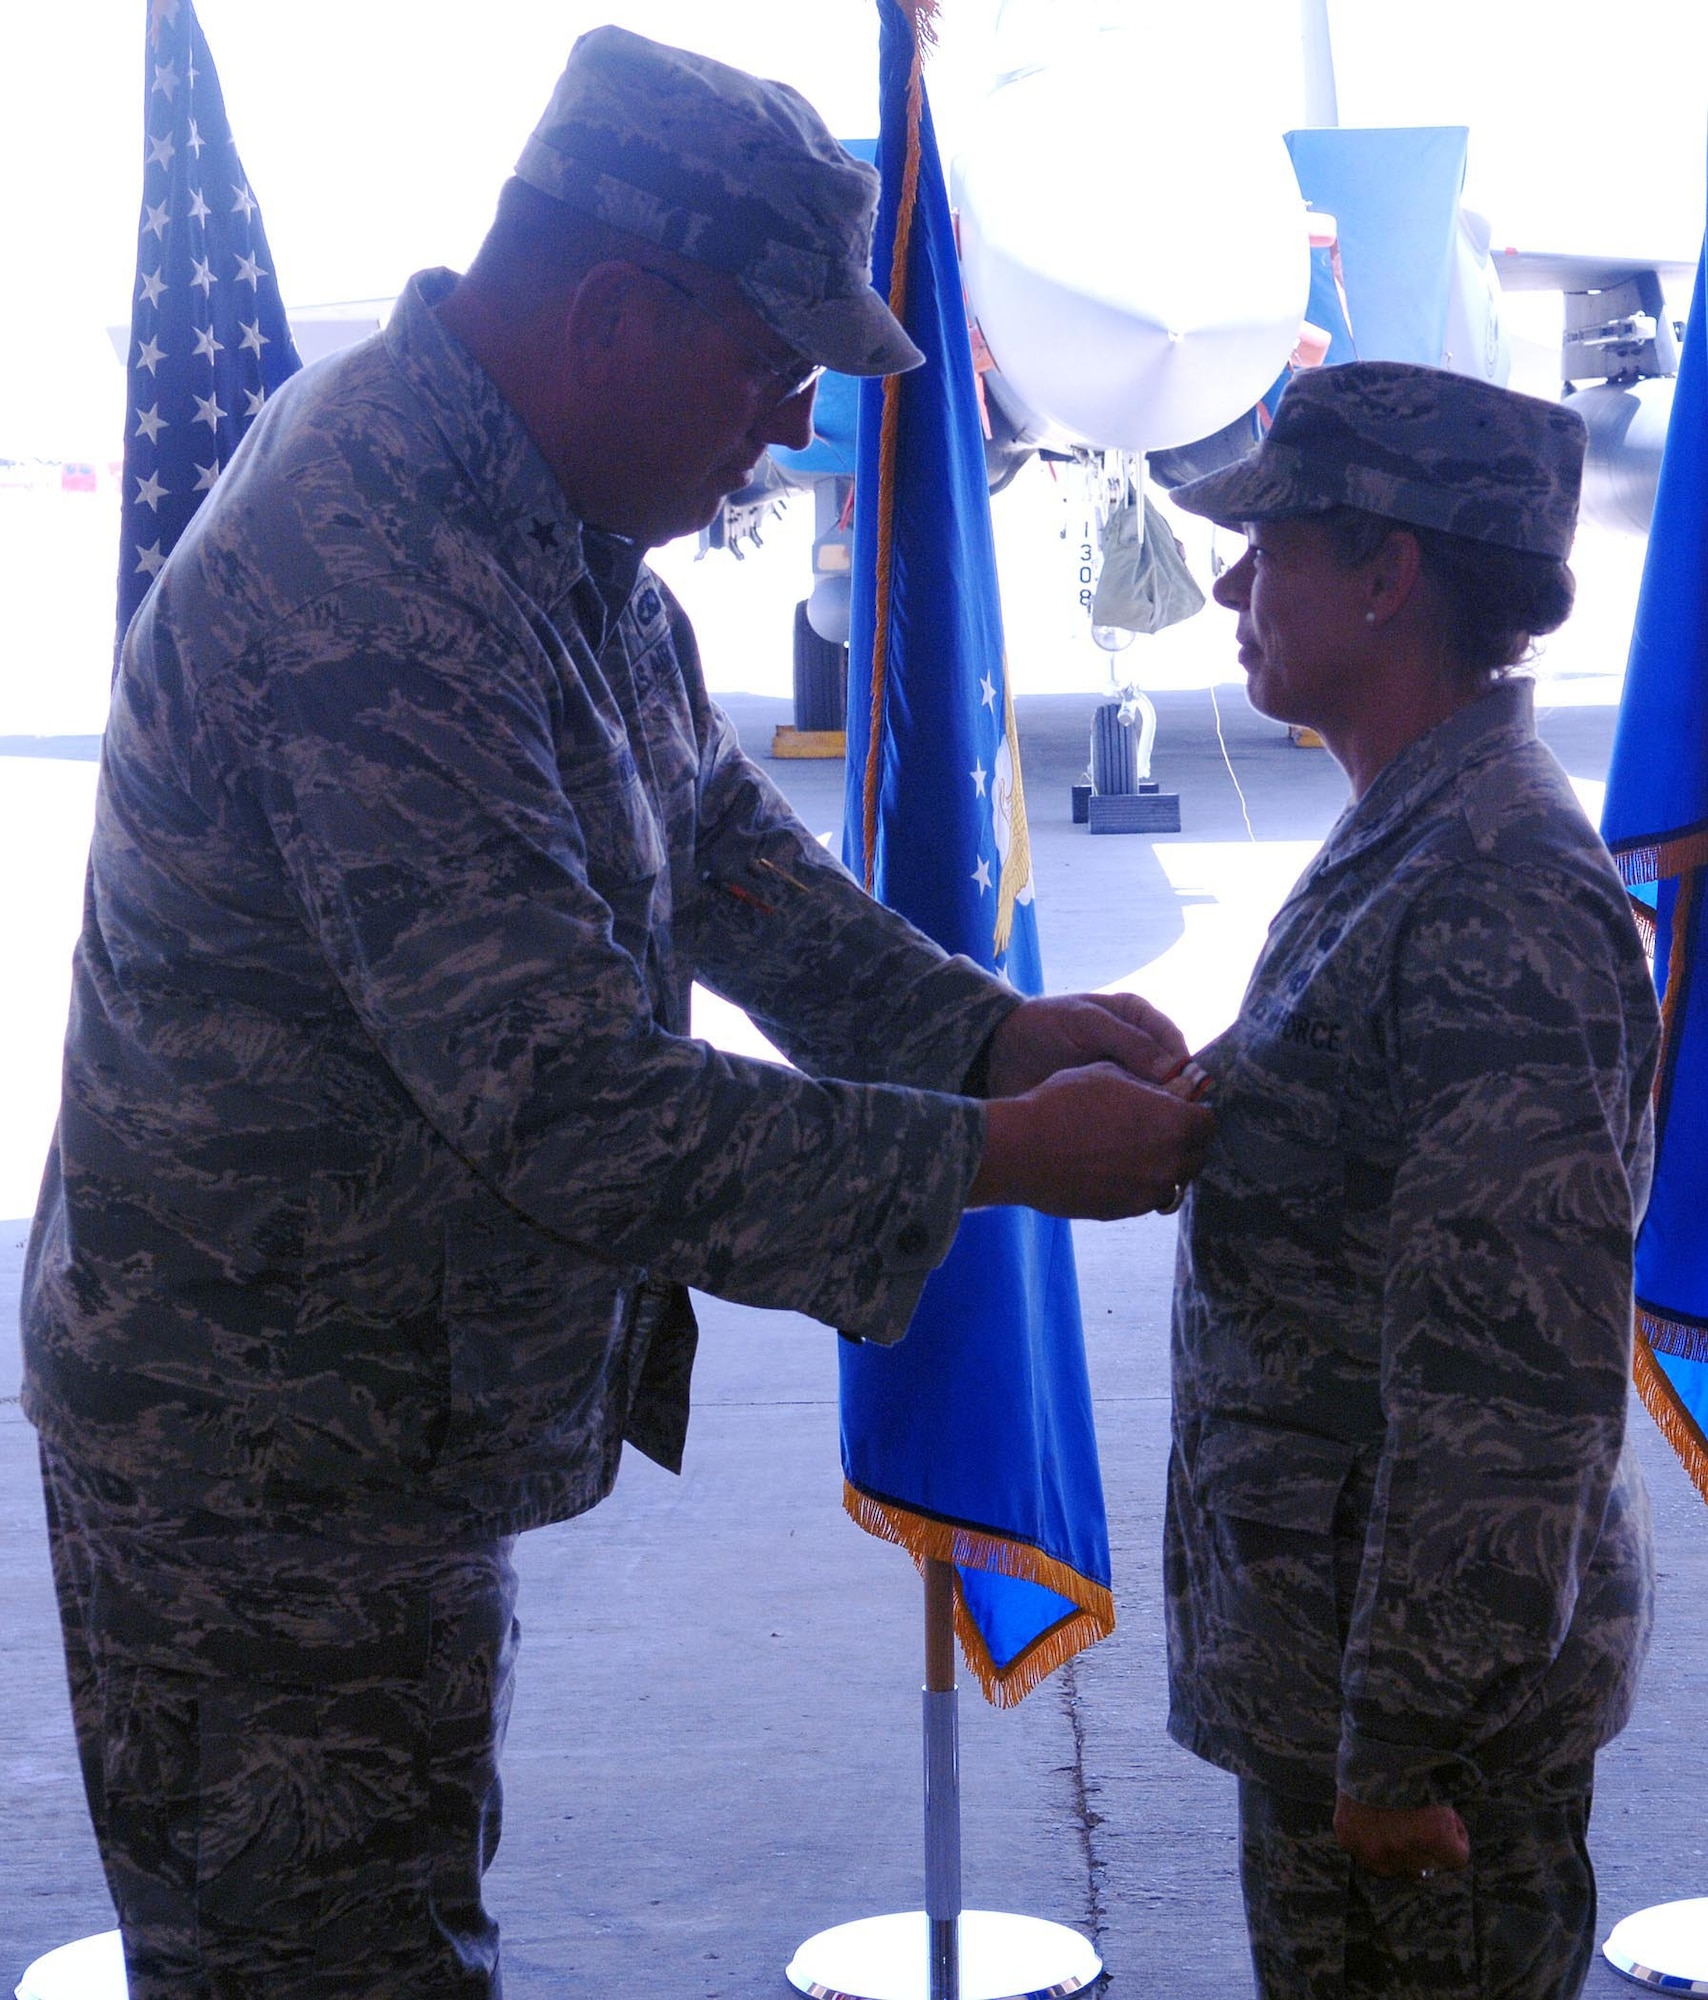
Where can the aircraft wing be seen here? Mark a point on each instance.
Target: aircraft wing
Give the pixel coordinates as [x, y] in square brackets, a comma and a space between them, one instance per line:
[1572, 271]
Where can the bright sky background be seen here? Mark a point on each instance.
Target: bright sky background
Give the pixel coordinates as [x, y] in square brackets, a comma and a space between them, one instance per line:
[375, 133]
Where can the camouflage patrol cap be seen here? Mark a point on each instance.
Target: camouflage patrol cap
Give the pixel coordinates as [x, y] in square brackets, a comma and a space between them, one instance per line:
[1419, 445]
[731, 171]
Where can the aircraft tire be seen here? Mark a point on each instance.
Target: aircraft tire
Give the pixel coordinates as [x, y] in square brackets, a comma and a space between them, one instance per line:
[1114, 753]
[821, 677]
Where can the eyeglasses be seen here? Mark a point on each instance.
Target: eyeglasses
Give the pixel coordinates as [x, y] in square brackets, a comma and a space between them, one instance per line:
[782, 380]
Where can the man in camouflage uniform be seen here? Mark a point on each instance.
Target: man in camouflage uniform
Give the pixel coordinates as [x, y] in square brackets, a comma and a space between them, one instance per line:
[1408, 1565]
[384, 1154]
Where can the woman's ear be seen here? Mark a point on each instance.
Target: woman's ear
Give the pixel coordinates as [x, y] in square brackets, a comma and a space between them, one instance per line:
[1392, 577]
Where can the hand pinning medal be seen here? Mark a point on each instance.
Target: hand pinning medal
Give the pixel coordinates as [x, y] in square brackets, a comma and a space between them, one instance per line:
[1191, 1085]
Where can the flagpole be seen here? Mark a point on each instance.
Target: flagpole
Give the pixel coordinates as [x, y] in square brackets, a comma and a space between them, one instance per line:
[944, 1952]
[942, 1784]
[928, 632]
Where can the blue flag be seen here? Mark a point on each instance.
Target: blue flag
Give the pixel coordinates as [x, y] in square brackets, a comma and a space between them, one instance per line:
[208, 337]
[1656, 822]
[971, 1441]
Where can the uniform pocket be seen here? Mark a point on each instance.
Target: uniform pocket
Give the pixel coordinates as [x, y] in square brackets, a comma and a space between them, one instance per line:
[1276, 1478]
[1259, 1590]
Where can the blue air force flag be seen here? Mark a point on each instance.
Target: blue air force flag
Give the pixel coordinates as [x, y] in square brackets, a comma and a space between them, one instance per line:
[971, 1441]
[1655, 820]
[208, 339]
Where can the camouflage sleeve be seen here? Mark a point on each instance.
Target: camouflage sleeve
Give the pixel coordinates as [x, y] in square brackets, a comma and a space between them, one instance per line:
[842, 985]
[1507, 1320]
[460, 882]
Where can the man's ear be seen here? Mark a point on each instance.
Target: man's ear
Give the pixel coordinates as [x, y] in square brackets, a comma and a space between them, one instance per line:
[607, 320]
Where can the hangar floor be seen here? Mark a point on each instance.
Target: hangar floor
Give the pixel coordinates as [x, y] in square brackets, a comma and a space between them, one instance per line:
[715, 1745]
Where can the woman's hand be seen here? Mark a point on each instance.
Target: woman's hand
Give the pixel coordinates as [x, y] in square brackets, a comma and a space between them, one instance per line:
[1406, 1840]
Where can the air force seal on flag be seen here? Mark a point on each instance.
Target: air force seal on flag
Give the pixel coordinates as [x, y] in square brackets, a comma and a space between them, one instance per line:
[1008, 813]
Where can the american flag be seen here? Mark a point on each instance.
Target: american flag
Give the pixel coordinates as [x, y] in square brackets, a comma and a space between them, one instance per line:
[209, 341]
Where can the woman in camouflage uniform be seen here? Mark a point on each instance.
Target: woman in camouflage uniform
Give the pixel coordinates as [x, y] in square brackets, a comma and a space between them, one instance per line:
[1408, 1554]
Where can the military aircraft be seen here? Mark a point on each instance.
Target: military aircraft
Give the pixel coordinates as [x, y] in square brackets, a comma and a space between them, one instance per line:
[1146, 266]
[1141, 285]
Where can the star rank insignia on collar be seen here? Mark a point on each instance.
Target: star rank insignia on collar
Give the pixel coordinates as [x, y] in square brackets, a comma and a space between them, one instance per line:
[544, 533]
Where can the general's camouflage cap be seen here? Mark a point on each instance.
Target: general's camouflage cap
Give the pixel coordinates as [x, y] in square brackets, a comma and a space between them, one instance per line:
[1419, 445]
[732, 171]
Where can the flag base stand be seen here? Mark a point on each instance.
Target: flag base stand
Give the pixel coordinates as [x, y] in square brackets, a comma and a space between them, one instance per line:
[91, 1968]
[1664, 1946]
[1001, 1958]
[943, 1952]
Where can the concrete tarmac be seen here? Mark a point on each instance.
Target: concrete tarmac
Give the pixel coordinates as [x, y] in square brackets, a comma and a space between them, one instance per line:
[715, 1745]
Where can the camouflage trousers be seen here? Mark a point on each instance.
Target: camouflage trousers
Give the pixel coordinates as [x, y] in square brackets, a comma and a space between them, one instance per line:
[289, 1746]
[1518, 1924]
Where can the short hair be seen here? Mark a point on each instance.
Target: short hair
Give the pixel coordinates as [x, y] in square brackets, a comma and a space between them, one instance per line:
[1498, 600]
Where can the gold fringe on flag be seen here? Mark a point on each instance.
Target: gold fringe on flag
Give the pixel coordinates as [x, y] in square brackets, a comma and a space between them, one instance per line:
[923, 15]
[1672, 1419]
[1661, 858]
[926, 1540]
[1655, 1332]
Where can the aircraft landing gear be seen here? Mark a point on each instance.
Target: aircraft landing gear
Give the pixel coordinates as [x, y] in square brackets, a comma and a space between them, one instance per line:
[821, 678]
[1122, 797]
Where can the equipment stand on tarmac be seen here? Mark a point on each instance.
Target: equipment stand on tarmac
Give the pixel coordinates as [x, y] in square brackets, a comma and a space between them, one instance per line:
[944, 1952]
[1664, 1946]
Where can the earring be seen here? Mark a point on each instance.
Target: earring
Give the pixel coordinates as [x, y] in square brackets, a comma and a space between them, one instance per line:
[1369, 617]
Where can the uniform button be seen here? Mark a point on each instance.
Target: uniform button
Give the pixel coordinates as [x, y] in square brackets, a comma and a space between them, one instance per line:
[912, 1239]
